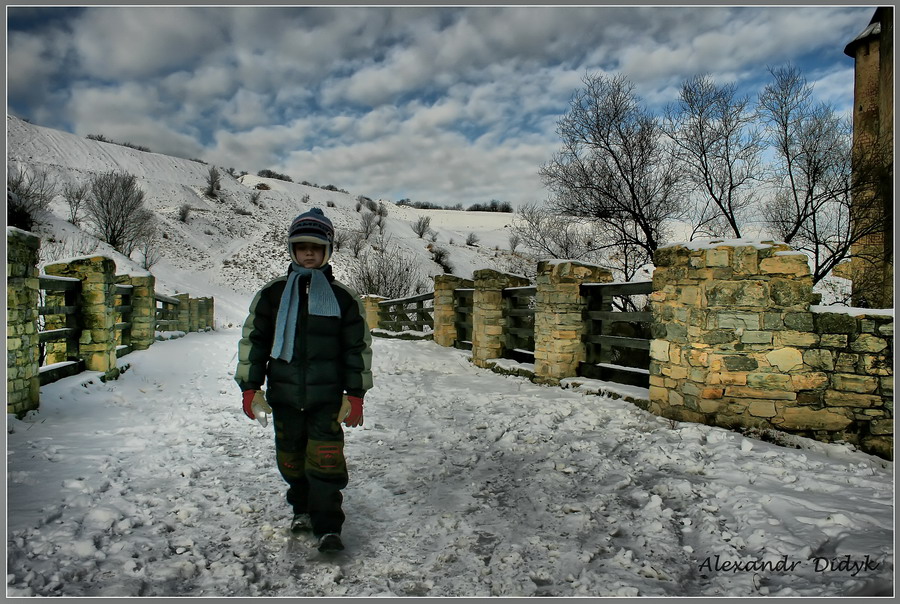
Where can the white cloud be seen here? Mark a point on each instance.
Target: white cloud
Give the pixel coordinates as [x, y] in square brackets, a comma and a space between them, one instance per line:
[246, 109]
[136, 42]
[447, 103]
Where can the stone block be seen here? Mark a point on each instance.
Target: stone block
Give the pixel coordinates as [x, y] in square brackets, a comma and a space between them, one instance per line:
[834, 398]
[659, 394]
[795, 264]
[876, 364]
[847, 382]
[756, 337]
[659, 350]
[882, 426]
[762, 409]
[809, 381]
[788, 294]
[771, 381]
[868, 343]
[710, 393]
[833, 340]
[807, 418]
[710, 405]
[799, 321]
[731, 294]
[819, 359]
[739, 363]
[803, 339]
[828, 322]
[748, 392]
[718, 257]
[719, 336]
[736, 320]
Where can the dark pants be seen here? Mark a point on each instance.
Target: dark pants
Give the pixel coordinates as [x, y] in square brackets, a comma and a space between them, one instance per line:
[309, 448]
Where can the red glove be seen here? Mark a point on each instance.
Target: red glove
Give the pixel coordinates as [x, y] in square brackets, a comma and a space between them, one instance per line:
[248, 402]
[355, 417]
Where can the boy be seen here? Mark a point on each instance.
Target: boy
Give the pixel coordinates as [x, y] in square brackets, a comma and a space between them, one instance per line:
[306, 338]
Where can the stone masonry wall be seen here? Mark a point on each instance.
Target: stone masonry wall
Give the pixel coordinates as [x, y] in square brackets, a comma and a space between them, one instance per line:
[559, 324]
[737, 344]
[96, 316]
[22, 377]
[445, 307]
[488, 316]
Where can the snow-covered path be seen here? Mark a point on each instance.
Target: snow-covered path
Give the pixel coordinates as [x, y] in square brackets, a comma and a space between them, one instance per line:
[463, 483]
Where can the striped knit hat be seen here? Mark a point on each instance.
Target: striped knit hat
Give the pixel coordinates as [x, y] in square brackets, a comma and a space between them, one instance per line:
[313, 227]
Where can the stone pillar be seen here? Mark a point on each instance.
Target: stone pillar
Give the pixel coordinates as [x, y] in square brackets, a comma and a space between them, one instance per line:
[445, 307]
[194, 304]
[488, 316]
[22, 369]
[183, 312]
[98, 338]
[211, 312]
[728, 324]
[370, 303]
[559, 321]
[143, 311]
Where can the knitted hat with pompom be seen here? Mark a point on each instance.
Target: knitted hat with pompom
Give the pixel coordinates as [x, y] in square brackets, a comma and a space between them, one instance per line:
[312, 227]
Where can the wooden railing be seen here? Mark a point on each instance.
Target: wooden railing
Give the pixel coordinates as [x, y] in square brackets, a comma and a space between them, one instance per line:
[617, 342]
[166, 312]
[123, 310]
[67, 290]
[463, 301]
[520, 311]
[405, 314]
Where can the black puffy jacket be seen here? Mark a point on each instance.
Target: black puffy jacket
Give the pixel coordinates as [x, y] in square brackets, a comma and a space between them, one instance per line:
[331, 355]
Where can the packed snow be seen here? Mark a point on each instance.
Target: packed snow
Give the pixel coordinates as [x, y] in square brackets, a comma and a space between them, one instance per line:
[463, 482]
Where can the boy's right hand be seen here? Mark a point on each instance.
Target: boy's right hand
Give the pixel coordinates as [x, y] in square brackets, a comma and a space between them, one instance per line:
[248, 403]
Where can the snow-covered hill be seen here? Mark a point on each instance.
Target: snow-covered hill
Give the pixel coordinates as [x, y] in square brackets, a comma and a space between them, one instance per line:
[229, 247]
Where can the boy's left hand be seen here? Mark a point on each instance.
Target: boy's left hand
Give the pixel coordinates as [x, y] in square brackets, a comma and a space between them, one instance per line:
[351, 411]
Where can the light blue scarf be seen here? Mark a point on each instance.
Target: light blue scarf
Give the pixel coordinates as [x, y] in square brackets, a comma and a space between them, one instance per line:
[320, 302]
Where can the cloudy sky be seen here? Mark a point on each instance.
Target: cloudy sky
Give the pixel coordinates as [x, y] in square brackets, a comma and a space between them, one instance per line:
[441, 104]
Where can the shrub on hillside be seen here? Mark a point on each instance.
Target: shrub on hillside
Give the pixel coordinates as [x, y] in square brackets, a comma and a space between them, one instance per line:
[275, 175]
[28, 195]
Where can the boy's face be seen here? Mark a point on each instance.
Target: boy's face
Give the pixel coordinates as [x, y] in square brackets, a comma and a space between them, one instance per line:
[309, 255]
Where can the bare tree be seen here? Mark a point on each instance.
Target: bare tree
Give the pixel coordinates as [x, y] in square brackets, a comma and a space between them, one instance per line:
[422, 226]
[75, 195]
[386, 271]
[28, 195]
[553, 235]
[115, 208]
[340, 238]
[717, 142]
[812, 177]
[614, 168]
[368, 224]
[357, 242]
[149, 251]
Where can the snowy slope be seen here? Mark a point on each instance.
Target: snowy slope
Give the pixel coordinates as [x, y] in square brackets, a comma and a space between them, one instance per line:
[463, 483]
[221, 250]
